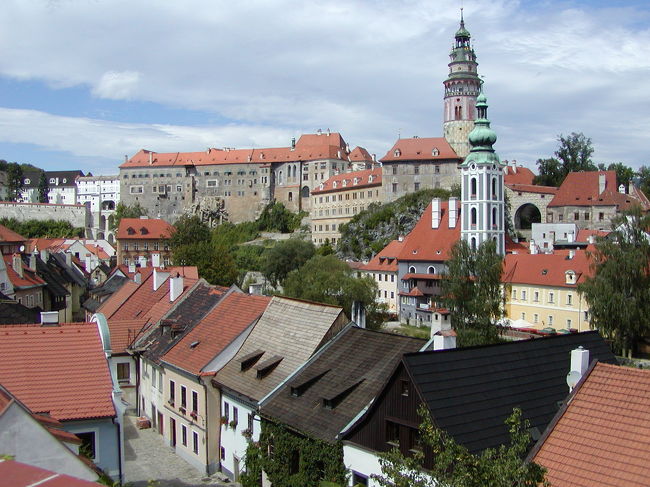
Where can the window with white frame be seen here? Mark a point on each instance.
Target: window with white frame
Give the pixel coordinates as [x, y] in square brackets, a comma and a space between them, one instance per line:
[183, 435]
[195, 442]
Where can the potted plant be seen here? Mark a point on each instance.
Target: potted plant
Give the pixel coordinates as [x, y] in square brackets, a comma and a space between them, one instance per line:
[193, 414]
[224, 419]
[233, 424]
[182, 410]
[247, 433]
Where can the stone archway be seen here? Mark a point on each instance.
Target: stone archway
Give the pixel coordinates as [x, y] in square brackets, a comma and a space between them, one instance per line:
[526, 215]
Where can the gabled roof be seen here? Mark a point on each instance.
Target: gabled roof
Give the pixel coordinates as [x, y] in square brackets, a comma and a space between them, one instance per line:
[517, 175]
[582, 189]
[9, 236]
[50, 244]
[546, 269]
[532, 188]
[57, 369]
[347, 373]
[29, 278]
[603, 436]
[180, 319]
[359, 154]
[421, 149]
[350, 180]
[287, 334]
[17, 474]
[214, 332]
[471, 391]
[431, 244]
[386, 259]
[144, 229]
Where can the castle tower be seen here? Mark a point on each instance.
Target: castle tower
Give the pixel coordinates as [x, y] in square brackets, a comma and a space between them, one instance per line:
[482, 186]
[462, 86]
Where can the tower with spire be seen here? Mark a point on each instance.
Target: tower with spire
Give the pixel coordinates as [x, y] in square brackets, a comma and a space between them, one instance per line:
[462, 86]
[482, 186]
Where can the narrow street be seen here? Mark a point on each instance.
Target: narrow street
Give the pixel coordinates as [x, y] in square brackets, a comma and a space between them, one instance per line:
[148, 458]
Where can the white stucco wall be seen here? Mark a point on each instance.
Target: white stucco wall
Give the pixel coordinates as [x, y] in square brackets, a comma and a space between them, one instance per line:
[232, 440]
[361, 461]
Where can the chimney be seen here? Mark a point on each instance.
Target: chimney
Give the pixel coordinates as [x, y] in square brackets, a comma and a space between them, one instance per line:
[579, 366]
[17, 264]
[131, 267]
[45, 255]
[400, 238]
[602, 182]
[293, 143]
[572, 254]
[453, 214]
[533, 248]
[155, 260]
[374, 157]
[359, 314]
[142, 260]
[175, 287]
[137, 278]
[444, 340]
[49, 318]
[87, 264]
[591, 239]
[159, 278]
[126, 158]
[150, 158]
[68, 259]
[32, 260]
[435, 212]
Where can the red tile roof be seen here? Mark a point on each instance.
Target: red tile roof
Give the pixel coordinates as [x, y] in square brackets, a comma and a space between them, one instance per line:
[518, 175]
[123, 332]
[225, 322]
[143, 229]
[582, 189]
[533, 188]
[17, 474]
[359, 154]
[603, 436]
[57, 369]
[51, 244]
[345, 181]
[584, 234]
[545, 269]
[113, 303]
[7, 235]
[309, 147]
[432, 244]
[420, 149]
[29, 279]
[386, 260]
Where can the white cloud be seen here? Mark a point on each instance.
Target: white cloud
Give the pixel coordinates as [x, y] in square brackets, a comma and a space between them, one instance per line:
[117, 86]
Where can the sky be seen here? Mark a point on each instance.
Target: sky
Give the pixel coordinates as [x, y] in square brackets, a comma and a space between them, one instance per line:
[84, 83]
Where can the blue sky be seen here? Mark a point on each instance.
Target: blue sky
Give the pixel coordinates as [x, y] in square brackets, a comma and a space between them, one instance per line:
[85, 82]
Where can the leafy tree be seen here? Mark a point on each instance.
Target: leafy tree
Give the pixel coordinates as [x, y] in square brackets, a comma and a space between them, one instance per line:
[127, 211]
[188, 230]
[43, 189]
[454, 466]
[215, 263]
[472, 287]
[230, 234]
[624, 174]
[276, 218]
[644, 179]
[284, 257]
[618, 293]
[249, 258]
[14, 181]
[326, 279]
[573, 155]
[42, 228]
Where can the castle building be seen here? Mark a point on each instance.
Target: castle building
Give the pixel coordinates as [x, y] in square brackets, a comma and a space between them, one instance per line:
[482, 186]
[101, 194]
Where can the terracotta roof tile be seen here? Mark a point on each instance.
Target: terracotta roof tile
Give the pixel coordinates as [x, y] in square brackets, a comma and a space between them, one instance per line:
[124, 332]
[143, 229]
[420, 149]
[603, 435]
[546, 269]
[7, 235]
[359, 154]
[518, 175]
[57, 369]
[386, 260]
[431, 244]
[346, 181]
[532, 188]
[51, 244]
[17, 474]
[227, 320]
[28, 279]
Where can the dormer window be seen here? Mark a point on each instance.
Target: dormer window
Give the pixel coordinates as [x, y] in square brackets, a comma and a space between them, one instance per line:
[130, 231]
[345, 183]
[27, 181]
[335, 184]
[356, 181]
[570, 277]
[371, 178]
[52, 181]
[435, 152]
[398, 153]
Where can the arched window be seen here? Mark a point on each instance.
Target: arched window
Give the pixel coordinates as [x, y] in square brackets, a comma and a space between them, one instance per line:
[280, 177]
[431, 270]
[412, 270]
[472, 187]
[290, 197]
[473, 216]
[398, 152]
[494, 218]
[473, 243]
[494, 188]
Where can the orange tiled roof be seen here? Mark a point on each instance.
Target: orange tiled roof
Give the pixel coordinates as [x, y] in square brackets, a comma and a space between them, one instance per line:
[227, 320]
[432, 244]
[582, 189]
[57, 369]
[143, 229]
[51, 244]
[345, 181]
[123, 332]
[532, 188]
[309, 147]
[584, 234]
[359, 154]
[386, 260]
[117, 299]
[518, 175]
[29, 279]
[19, 474]
[420, 149]
[545, 269]
[7, 235]
[603, 436]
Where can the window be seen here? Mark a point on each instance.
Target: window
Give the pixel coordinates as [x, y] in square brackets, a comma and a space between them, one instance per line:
[535, 318]
[601, 216]
[568, 323]
[195, 402]
[195, 442]
[394, 187]
[136, 189]
[569, 299]
[550, 319]
[183, 397]
[586, 215]
[523, 295]
[417, 186]
[235, 415]
[392, 432]
[416, 169]
[405, 388]
[172, 392]
[551, 297]
[183, 435]
[88, 446]
[576, 216]
[359, 479]
[226, 410]
[514, 294]
[536, 296]
[251, 424]
[123, 372]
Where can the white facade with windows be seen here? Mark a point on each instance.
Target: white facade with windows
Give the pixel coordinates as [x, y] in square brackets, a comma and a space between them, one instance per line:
[101, 194]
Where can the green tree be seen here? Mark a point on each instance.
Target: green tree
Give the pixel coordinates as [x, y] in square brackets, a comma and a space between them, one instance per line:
[573, 155]
[618, 292]
[43, 188]
[127, 211]
[14, 181]
[276, 218]
[644, 179]
[214, 263]
[472, 288]
[188, 230]
[326, 279]
[624, 174]
[284, 257]
[454, 466]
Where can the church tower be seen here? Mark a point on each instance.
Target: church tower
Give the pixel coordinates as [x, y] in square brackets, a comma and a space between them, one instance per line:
[462, 86]
[482, 186]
